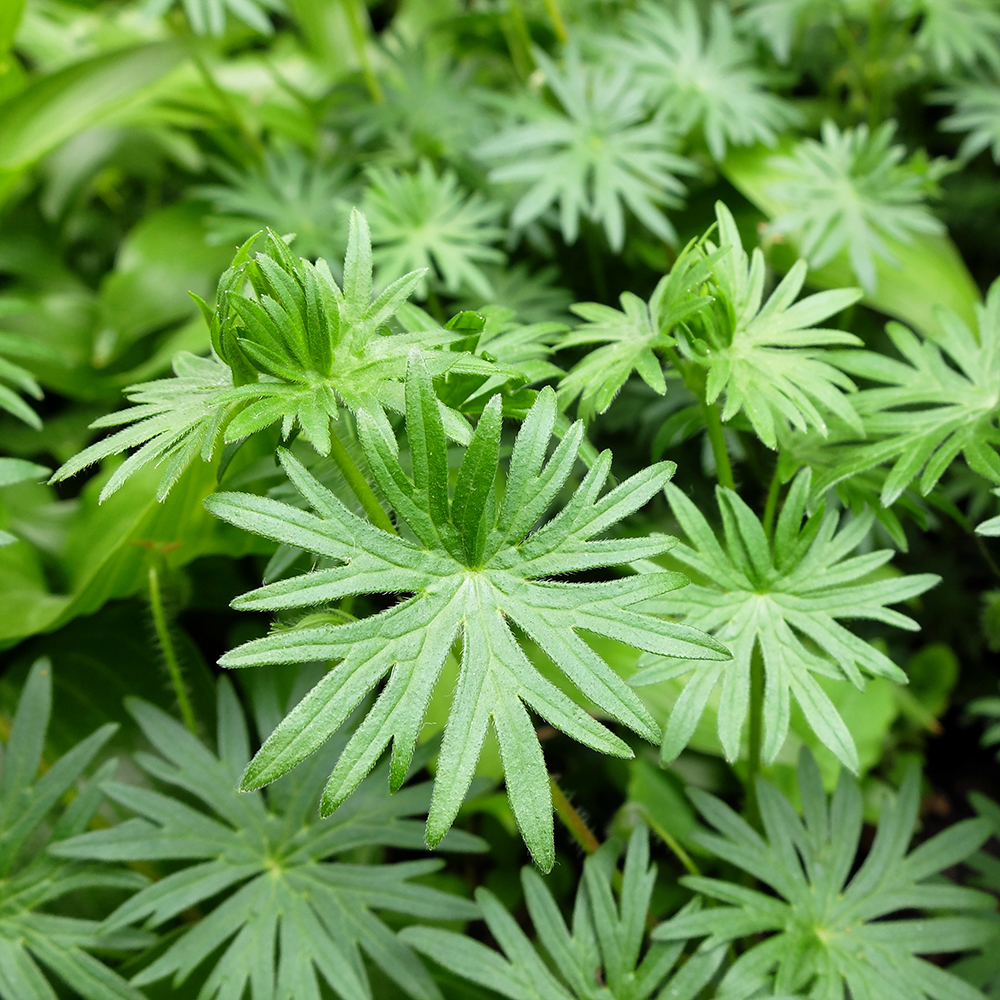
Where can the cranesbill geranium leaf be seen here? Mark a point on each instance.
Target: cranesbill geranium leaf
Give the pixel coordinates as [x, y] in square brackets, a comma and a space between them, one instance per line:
[291, 346]
[826, 929]
[31, 879]
[478, 575]
[284, 915]
[601, 955]
[780, 599]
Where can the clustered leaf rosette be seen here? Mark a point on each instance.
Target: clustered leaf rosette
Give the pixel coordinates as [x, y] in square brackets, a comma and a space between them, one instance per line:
[939, 400]
[702, 78]
[280, 914]
[781, 599]
[767, 358]
[851, 192]
[601, 955]
[32, 879]
[424, 222]
[290, 348]
[476, 572]
[287, 192]
[598, 154]
[833, 931]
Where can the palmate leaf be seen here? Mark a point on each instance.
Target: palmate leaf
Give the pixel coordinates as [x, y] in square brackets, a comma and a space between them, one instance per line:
[850, 192]
[959, 33]
[598, 958]
[702, 78]
[767, 357]
[939, 401]
[599, 155]
[424, 222]
[291, 350]
[284, 915]
[633, 336]
[779, 599]
[30, 879]
[826, 928]
[474, 573]
[288, 193]
[15, 380]
[778, 22]
[977, 111]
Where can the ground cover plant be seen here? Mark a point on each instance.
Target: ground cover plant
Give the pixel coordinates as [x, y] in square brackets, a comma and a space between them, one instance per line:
[498, 498]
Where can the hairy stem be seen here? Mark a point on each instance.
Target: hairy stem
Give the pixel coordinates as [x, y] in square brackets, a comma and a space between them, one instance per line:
[359, 485]
[756, 730]
[572, 820]
[169, 652]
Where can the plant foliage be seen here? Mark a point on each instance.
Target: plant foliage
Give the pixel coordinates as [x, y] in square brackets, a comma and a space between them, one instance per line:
[470, 569]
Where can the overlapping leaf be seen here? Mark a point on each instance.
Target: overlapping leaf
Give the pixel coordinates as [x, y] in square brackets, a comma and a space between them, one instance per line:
[599, 958]
[780, 599]
[475, 574]
[939, 401]
[284, 915]
[290, 351]
[30, 880]
[600, 154]
[826, 928]
[767, 357]
[702, 78]
[633, 336]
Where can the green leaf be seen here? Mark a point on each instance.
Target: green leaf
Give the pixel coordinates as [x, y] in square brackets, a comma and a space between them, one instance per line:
[474, 573]
[264, 878]
[827, 931]
[606, 935]
[54, 107]
[767, 357]
[783, 597]
[597, 155]
[424, 222]
[30, 938]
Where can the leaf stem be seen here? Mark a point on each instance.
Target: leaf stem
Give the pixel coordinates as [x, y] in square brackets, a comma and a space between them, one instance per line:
[360, 39]
[167, 647]
[756, 730]
[717, 438]
[359, 485]
[558, 23]
[572, 820]
[672, 842]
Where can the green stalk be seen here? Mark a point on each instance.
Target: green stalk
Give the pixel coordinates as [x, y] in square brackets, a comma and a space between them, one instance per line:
[167, 646]
[359, 36]
[359, 485]
[694, 380]
[672, 842]
[518, 37]
[756, 730]
[552, 6]
[716, 437]
[572, 820]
